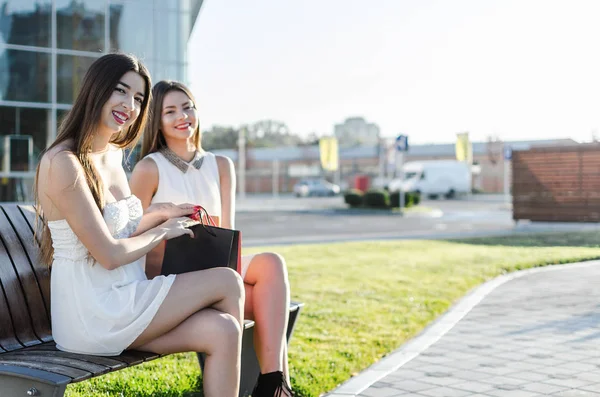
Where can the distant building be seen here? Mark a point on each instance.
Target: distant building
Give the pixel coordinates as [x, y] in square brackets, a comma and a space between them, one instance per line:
[294, 163]
[356, 131]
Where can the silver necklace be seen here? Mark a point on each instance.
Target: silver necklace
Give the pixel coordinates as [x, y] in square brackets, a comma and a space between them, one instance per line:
[182, 165]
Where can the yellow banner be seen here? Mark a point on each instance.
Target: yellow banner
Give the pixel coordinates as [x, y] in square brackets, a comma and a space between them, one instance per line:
[464, 148]
[328, 147]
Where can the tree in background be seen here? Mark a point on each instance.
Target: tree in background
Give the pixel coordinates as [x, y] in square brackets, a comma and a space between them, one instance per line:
[311, 140]
[271, 133]
[263, 133]
[220, 137]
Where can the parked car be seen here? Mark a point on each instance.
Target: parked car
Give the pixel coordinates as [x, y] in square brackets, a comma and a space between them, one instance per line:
[315, 187]
[434, 178]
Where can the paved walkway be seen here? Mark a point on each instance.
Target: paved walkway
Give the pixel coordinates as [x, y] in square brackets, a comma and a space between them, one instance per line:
[532, 333]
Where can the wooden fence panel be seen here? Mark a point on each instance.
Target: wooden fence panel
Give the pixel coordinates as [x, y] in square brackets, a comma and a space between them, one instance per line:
[557, 184]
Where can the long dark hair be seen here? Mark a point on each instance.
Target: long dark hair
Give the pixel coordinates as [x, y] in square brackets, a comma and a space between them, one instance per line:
[153, 139]
[81, 123]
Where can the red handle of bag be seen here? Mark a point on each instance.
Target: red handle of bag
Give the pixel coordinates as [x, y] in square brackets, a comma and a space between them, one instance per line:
[204, 213]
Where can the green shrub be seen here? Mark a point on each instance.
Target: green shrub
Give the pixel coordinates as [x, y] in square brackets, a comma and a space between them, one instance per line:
[410, 199]
[416, 198]
[353, 197]
[377, 198]
[395, 199]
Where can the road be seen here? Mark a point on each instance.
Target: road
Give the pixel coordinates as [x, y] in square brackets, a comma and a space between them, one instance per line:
[291, 221]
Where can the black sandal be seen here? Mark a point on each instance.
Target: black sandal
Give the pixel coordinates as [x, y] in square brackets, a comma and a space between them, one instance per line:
[272, 384]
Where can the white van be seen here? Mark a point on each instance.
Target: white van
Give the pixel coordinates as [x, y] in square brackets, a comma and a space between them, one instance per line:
[434, 178]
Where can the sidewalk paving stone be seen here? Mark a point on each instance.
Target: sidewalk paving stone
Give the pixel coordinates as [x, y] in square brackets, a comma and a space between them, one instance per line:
[536, 333]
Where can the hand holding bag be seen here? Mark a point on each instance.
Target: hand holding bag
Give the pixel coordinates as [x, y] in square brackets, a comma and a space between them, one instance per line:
[211, 247]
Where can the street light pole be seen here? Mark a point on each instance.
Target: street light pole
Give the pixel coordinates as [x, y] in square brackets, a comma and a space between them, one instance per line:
[507, 157]
[242, 162]
[275, 178]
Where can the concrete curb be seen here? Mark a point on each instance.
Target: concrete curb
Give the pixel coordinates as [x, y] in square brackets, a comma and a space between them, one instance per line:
[435, 331]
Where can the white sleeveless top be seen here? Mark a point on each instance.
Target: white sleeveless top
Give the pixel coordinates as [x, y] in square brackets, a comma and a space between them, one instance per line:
[195, 186]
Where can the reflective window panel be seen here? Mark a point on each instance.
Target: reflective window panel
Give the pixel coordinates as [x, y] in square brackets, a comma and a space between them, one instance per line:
[24, 76]
[71, 70]
[19, 126]
[178, 5]
[171, 36]
[16, 189]
[80, 24]
[25, 22]
[132, 29]
[60, 115]
[166, 71]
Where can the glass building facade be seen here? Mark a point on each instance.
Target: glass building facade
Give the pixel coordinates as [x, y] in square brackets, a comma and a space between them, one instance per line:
[46, 47]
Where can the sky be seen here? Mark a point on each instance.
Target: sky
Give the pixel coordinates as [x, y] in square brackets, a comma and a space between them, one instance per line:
[511, 69]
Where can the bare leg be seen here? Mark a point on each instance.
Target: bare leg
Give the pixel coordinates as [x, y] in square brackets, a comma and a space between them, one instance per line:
[207, 321]
[219, 288]
[285, 365]
[218, 335]
[267, 302]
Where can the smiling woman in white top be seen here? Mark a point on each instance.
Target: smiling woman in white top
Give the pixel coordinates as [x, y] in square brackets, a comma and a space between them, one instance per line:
[176, 168]
[95, 235]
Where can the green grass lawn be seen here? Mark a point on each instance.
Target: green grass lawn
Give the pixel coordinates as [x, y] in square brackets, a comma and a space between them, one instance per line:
[363, 300]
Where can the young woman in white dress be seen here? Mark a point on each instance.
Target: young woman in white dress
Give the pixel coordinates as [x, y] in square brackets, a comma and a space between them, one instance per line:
[175, 168]
[95, 235]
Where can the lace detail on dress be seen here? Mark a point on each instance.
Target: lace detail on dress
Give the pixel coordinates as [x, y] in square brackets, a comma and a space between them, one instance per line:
[135, 212]
[123, 226]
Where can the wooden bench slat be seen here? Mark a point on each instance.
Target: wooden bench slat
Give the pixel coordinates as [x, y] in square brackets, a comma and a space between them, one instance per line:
[29, 283]
[17, 304]
[51, 346]
[134, 357]
[28, 212]
[76, 375]
[128, 357]
[8, 341]
[110, 363]
[77, 363]
[25, 231]
[26, 374]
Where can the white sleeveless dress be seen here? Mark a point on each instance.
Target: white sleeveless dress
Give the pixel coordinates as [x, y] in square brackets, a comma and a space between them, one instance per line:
[195, 186]
[94, 310]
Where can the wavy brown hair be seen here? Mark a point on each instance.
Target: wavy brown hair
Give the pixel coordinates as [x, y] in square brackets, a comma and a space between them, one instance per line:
[81, 122]
[153, 139]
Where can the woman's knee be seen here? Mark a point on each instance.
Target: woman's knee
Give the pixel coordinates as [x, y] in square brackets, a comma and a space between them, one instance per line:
[227, 281]
[222, 330]
[233, 282]
[273, 264]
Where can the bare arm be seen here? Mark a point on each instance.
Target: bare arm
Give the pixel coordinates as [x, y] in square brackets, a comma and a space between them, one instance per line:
[67, 189]
[143, 184]
[227, 182]
[144, 181]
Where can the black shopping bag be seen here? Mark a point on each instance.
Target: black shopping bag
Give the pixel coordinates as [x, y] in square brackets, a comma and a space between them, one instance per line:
[211, 247]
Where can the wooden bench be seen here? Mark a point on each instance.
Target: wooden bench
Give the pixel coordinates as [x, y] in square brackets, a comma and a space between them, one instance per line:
[30, 364]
